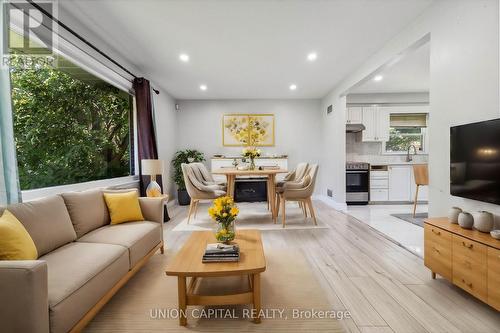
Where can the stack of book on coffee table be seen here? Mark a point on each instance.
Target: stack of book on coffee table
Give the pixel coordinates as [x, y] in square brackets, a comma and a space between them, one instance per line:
[219, 252]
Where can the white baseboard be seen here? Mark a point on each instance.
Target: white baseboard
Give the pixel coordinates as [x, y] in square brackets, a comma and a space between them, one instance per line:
[341, 206]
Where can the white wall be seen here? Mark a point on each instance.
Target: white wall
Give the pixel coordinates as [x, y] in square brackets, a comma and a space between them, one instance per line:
[464, 87]
[297, 127]
[166, 136]
[334, 148]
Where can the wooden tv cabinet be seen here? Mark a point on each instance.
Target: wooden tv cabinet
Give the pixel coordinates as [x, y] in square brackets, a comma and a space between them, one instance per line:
[467, 258]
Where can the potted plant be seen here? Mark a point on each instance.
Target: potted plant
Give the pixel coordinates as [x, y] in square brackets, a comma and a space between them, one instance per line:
[184, 156]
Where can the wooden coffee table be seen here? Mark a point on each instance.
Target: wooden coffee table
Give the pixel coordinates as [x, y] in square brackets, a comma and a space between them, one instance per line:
[187, 263]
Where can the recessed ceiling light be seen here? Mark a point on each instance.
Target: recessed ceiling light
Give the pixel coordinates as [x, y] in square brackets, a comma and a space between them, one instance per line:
[203, 87]
[378, 78]
[312, 56]
[184, 57]
[293, 87]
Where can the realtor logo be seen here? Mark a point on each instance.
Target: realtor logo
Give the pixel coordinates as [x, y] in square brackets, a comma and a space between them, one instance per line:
[30, 27]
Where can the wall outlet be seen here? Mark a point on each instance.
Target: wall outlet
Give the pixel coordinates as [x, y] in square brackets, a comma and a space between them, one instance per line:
[329, 192]
[329, 109]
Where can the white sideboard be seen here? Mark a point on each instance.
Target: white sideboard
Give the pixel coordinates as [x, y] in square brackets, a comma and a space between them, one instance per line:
[227, 162]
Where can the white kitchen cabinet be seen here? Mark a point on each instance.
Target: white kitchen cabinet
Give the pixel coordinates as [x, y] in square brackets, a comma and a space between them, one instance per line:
[383, 123]
[395, 183]
[376, 121]
[369, 120]
[399, 183]
[354, 115]
[379, 195]
[379, 184]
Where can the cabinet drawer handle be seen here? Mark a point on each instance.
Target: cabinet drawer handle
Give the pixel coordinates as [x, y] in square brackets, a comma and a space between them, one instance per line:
[436, 232]
[435, 249]
[467, 264]
[467, 284]
[469, 246]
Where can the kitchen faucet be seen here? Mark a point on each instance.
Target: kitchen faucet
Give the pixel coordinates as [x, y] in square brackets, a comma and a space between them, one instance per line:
[409, 158]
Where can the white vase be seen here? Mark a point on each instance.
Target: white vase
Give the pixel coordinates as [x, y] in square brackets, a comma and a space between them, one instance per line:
[453, 214]
[484, 221]
[465, 220]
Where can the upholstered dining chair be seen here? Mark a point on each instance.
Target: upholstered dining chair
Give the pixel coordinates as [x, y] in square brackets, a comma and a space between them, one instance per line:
[197, 190]
[205, 176]
[300, 191]
[294, 176]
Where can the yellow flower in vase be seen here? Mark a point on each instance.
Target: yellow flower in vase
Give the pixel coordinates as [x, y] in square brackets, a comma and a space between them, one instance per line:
[224, 212]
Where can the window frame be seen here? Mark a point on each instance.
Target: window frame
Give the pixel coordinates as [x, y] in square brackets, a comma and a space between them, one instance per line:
[425, 134]
[79, 54]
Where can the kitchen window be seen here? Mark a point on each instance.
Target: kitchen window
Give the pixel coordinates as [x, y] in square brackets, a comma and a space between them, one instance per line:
[407, 129]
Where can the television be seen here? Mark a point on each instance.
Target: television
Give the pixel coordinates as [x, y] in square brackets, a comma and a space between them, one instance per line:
[475, 161]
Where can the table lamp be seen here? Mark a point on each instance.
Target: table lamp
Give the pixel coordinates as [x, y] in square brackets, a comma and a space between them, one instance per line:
[152, 168]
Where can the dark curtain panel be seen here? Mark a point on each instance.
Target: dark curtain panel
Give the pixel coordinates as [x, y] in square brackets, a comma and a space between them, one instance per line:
[146, 137]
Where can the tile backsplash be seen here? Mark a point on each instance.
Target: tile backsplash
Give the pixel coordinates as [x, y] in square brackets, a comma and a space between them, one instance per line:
[371, 152]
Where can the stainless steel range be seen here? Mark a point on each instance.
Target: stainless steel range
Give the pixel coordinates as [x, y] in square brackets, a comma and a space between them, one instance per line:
[357, 183]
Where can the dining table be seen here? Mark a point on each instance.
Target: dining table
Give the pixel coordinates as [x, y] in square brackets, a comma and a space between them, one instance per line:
[269, 173]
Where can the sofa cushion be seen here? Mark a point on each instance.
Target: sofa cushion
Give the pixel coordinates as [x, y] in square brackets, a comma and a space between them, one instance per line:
[123, 207]
[15, 241]
[47, 221]
[139, 237]
[87, 209]
[79, 274]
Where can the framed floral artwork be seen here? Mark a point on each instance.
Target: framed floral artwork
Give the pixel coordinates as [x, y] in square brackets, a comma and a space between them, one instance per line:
[248, 130]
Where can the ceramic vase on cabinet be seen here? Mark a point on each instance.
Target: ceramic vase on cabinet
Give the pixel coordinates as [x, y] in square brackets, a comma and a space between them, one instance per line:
[484, 221]
[465, 220]
[453, 214]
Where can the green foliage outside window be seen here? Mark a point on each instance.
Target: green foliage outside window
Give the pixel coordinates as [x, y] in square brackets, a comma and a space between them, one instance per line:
[69, 126]
[400, 138]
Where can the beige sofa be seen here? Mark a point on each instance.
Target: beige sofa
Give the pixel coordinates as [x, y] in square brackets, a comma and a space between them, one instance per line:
[83, 261]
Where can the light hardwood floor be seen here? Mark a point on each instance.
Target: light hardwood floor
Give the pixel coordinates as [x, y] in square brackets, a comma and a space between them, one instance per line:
[384, 287]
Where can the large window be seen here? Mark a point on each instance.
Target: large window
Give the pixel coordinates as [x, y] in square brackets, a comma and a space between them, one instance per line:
[407, 130]
[69, 125]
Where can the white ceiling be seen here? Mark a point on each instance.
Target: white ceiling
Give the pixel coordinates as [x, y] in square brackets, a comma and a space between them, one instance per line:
[409, 74]
[245, 49]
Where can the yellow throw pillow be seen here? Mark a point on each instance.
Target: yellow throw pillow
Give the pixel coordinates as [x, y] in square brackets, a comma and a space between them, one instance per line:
[123, 207]
[15, 241]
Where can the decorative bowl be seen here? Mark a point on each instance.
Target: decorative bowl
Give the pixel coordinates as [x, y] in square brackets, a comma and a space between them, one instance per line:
[495, 233]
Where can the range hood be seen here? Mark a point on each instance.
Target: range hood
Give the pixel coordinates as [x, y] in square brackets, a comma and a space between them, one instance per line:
[354, 128]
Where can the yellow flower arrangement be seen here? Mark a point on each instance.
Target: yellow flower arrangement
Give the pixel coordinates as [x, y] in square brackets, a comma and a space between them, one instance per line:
[251, 152]
[224, 212]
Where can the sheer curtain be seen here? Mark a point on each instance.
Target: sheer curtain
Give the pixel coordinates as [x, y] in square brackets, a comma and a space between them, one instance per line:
[9, 181]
